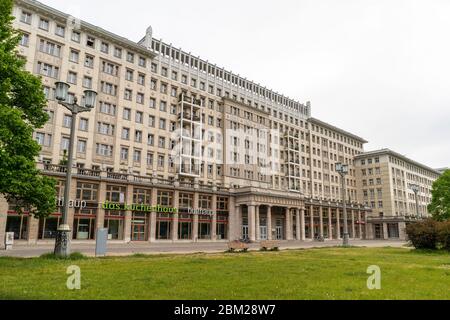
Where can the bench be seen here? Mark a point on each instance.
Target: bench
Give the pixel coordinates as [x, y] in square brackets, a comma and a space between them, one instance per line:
[237, 246]
[270, 245]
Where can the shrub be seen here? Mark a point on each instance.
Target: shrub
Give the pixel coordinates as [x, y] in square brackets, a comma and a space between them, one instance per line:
[73, 257]
[444, 235]
[424, 234]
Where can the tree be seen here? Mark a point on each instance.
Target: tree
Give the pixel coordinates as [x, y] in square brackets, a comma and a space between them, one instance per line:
[440, 204]
[22, 103]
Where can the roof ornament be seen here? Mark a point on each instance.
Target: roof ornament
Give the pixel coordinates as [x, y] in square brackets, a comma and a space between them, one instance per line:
[148, 38]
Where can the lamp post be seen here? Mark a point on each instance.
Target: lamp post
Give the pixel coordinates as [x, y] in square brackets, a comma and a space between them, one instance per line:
[416, 188]
[342, 169]
[62, 244]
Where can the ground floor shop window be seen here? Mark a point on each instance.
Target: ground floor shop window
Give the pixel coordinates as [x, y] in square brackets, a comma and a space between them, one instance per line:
[204, 228]
[393, 231]
[84, 229]
[163, 227]
[114, 222]
[48, 227]
[139, 226]
[19, 225]
[185, 227]
[222, 227]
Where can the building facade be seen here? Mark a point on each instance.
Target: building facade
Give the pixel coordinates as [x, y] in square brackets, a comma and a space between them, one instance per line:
[386, 181]
[177, 148]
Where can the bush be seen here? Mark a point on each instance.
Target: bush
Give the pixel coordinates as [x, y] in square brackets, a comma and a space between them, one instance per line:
[424, 234]
[73, 257]
[444, 235]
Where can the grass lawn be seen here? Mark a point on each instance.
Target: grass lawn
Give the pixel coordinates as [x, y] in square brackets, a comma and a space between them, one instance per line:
[332, 273]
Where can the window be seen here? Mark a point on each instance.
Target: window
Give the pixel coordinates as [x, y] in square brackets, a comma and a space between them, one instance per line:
[81, 147]
[127, 114]
[141, 79]
[118, 52]
[161, 161]
[84, 124]
[90, 42]
[76, 36]
[163, 88]
[40, 138]
[142, 62]
[105, 128]
[108, 88]
[137, 156]
[110, 68]
[139, 117]
[153, 84]
[150, 159]
[124, 154]
[74, 56]
[174, 75]
[140, 98]
[48, 70]
[184, 79]
[173, 91]
[130, 57]
[151, 140]
[129, 75]
[125, 133]
[154, 68]
[162, 142]
[60, 30]
[138, 136]
[151, 121]
[152, 103]
[50, 48]
[72, 78]
[162, 124]
[163, 106]
[104, 150]
[128, 94]
[107, 108]
[25, 17]
[87, 82]
[104, 48]
[65, 141]
[89, 61]
[25, 40]
[67, 121]
[44, 24]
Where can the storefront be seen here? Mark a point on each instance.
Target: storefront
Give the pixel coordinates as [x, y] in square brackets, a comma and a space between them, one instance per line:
[18, 224]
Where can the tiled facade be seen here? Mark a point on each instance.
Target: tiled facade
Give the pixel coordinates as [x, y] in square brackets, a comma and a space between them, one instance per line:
[255, 160]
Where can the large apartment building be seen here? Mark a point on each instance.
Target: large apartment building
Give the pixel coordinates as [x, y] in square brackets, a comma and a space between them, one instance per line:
[387, 182]
[177, 148]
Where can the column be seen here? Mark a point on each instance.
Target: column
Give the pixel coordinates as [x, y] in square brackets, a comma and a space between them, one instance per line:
[128, 215]
[321, 221]
[252, 222]
[269, 223]
[302, 223]
[311, 216]
[100, 221]
[338, 223]
[258, 223]
[232, 220]
[297, 224]
[214, 219]
[385, 231]
[195, 222]
[360, 225]
[353, 225]
[330, 225]
[3, 218]
[153, 216]
[286, 224]
[236, 230]
[176, 216]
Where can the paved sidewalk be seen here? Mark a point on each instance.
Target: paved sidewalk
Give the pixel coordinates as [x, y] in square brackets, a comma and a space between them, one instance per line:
[116, 249]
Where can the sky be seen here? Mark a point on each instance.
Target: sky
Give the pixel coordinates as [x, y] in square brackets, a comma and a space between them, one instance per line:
[377, 68]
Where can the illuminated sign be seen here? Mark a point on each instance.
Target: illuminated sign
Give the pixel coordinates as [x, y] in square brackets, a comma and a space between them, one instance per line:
[137, 207]
[200, 212]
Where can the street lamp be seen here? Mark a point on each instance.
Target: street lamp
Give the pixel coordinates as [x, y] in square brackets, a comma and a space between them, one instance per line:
[416, 189]
[342, 169]
[62, 245]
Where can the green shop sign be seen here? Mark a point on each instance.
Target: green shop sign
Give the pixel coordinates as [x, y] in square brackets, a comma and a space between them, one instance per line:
[137, 207]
